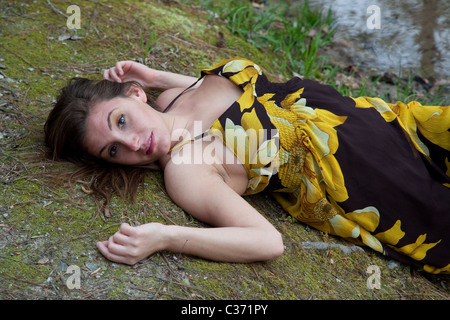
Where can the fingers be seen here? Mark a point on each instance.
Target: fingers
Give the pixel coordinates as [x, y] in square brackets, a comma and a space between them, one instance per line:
[122, 238]
[126, 229]
[119, 247]
[115, 73]
[119, 69]
[115, 251]
[111, 75]
[104, 248]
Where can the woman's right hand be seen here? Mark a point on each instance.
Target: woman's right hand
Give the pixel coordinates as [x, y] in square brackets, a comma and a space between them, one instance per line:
[130, 245]
[125, 71]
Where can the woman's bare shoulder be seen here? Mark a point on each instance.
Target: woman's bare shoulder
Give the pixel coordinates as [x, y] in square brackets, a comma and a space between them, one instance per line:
[178, 173]
[192, 186]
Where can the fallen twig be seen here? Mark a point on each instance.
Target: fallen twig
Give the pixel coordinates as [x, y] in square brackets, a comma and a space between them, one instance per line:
[55, 9]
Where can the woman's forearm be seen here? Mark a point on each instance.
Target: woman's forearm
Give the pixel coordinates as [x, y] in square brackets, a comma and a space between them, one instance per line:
[164, 80]
[230, 244]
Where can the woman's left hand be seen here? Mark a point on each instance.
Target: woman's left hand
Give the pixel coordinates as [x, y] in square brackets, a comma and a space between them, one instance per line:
[130, 244]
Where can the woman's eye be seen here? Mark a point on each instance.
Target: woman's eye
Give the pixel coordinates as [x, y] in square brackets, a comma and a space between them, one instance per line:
[121, 121]
[113, 151]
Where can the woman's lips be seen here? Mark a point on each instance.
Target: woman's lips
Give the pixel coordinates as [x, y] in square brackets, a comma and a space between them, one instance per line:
[150, 144]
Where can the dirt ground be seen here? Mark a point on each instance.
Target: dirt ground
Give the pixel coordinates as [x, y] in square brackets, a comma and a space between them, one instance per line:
[48, 228]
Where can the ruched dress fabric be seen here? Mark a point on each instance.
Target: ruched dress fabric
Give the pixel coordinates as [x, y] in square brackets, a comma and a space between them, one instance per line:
[375, 173]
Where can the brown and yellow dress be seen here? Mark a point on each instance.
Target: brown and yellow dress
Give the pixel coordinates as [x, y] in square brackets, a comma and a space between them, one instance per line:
[369, 171]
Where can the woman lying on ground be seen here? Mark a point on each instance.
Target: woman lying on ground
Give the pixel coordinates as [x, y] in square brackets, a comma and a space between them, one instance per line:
[375, 173]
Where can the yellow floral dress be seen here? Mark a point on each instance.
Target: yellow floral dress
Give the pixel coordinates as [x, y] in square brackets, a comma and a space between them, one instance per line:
[375, 173]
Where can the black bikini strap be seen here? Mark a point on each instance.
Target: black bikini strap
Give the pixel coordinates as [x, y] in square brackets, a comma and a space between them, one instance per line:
[173, 101]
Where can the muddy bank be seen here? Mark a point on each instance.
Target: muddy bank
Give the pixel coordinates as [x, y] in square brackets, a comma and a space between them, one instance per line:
[404, 36]
[48, 227]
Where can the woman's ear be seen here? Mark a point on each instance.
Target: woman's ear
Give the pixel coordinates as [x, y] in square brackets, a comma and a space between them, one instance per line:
[138, 92]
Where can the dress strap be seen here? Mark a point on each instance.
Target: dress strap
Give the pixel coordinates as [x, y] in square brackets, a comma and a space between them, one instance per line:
[200, 136]
[173, 101]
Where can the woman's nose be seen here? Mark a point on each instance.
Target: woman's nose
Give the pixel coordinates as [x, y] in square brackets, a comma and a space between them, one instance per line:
[133, 142]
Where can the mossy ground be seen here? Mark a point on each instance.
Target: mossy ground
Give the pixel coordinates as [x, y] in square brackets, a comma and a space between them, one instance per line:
[45, 226]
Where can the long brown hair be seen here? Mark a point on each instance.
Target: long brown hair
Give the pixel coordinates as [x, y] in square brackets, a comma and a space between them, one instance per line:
[65, 130]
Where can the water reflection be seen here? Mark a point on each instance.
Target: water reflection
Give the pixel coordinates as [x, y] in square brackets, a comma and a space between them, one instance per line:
[413, 34]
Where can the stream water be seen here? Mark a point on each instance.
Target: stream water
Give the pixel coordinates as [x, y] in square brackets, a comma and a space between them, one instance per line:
[394, 35]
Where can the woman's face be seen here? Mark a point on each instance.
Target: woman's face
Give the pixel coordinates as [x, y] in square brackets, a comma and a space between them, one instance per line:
[127, 131]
